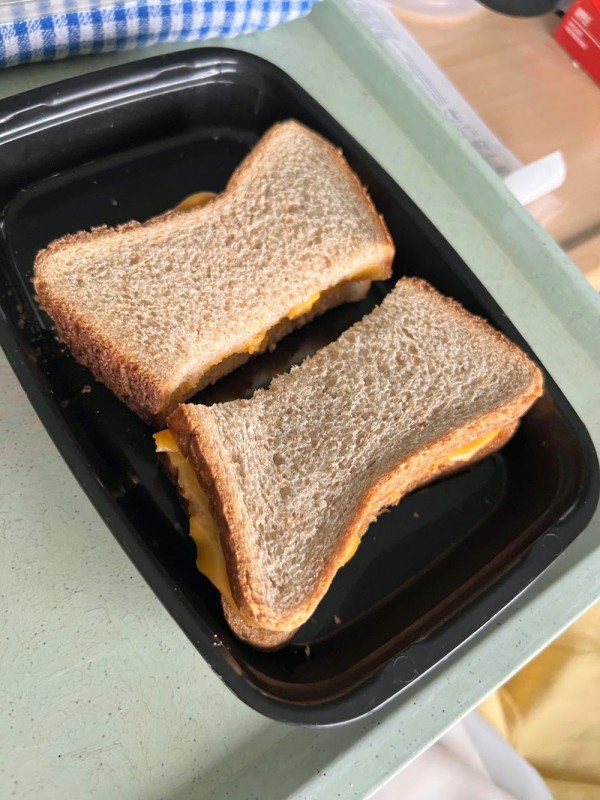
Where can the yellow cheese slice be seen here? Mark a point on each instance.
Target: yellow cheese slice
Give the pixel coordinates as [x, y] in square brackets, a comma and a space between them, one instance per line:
[369, 274]
[469, 450]
[305, 307]
[203, 528]
[197, 199]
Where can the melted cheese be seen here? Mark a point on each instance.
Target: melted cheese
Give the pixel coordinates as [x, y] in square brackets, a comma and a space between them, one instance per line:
[369, 274]
[255, 344]
[351, 551]
[210, 559]
[304, 307]
[469, 450]
[198, 199]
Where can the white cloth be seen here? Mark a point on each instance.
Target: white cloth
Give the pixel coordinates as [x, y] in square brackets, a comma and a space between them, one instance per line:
[470, 762]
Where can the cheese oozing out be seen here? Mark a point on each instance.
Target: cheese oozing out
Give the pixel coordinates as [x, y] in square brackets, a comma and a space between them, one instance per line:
[468, 450]
[194, 200]
[210, 558]
[203, 528]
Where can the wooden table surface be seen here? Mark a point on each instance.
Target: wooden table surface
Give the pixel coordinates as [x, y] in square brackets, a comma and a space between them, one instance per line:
[536, 100]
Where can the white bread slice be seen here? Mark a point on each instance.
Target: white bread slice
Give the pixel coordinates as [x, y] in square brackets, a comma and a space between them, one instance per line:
[297, 473]
[261, 638]
[265, 639]
[159, 310]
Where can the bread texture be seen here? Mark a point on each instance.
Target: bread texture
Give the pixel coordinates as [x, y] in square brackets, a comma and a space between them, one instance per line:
[158, 310]
[260, 638]
[297, 473]
[265, 639]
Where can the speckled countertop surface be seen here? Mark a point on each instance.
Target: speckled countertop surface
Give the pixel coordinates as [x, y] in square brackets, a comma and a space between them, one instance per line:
[101, 695]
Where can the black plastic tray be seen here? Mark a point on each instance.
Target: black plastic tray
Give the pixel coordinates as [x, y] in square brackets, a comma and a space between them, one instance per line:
[131, 142]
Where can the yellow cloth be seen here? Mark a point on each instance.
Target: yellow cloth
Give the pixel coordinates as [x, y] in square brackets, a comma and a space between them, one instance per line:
[550, 711]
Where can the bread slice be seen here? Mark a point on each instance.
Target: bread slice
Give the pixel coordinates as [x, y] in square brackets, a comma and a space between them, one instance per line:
[161, 309]
[261, 638]
[295, 475]
[265, 639]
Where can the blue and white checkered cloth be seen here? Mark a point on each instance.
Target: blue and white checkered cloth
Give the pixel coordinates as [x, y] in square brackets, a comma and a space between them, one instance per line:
[57, 29]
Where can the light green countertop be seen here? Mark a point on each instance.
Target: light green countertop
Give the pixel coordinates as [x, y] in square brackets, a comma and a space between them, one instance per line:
[101, 694]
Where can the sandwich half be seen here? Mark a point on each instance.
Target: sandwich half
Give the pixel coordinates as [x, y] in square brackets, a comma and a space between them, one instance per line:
[161, 309]
[281, 487]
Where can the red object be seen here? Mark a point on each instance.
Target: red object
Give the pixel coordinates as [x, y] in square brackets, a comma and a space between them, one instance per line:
[579, 34]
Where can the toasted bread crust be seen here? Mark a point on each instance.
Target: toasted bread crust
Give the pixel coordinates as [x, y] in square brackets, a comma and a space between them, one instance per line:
[260, 638]
[198, 437]
[268, 640]
[137, 381]
[138, 388]
[198, 440]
